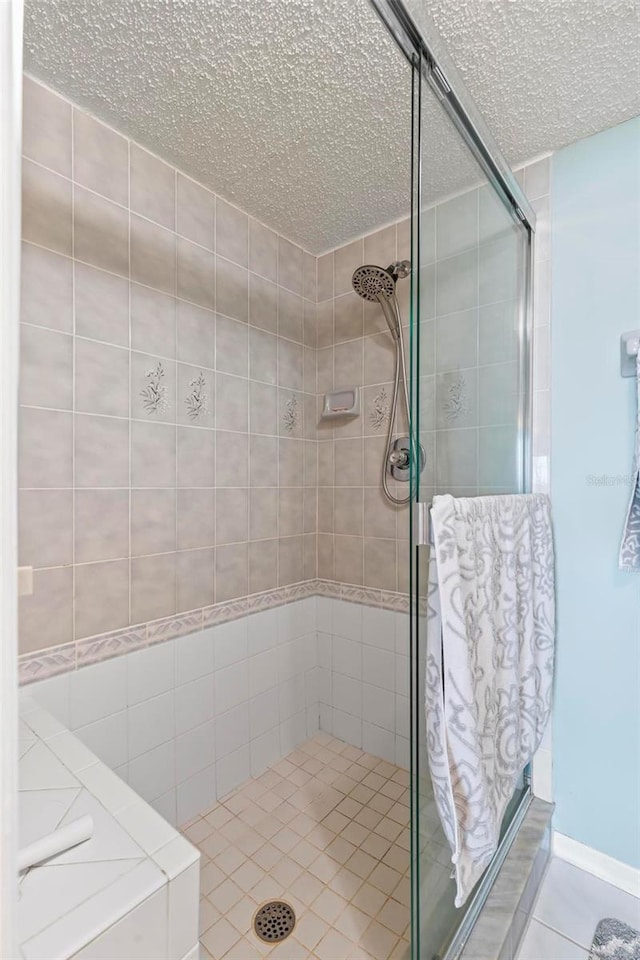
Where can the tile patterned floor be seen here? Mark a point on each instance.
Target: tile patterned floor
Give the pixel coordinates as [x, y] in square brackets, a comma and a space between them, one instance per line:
[569, 907]
[326, 829]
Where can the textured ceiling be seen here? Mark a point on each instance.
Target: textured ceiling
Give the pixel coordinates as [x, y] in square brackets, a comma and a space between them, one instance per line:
[544, 73]
[299, 110]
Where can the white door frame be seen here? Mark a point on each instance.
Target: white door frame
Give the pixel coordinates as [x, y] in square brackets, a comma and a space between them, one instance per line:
[11, 20]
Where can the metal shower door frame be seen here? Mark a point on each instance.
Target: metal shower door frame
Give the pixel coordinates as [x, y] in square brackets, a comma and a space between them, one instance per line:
[441, 76]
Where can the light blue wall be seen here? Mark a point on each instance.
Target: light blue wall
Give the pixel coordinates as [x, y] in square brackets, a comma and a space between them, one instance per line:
[595, 297]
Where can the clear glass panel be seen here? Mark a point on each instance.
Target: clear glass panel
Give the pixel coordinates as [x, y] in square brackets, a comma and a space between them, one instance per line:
[469, 369]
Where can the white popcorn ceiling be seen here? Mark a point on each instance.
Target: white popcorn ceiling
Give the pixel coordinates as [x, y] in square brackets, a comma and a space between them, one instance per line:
[299, 110]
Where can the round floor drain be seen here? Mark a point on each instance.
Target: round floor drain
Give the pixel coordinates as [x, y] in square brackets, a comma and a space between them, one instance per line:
[274, 921]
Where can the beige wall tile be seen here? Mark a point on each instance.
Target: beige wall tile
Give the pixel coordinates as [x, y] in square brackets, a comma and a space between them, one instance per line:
[196, 527]
[290, 364]
[194, 579]
[232, 515]
[232, 289]
[46, 208]
[100, 158]
[45, 534]
[263, 400]
[403, 567]
[153, 388]
[153, 587]
[153, 454]
[263, 303]
[380, 563]
[101, 525]
[196, 457]
[379, 514]
[290, 511]
[231, 572]
[153, 522]
[196, 334]
[100, 232]
[310, 324]
[310, 556]
[196, 274]
[380, 247]
[45, 448]
[263, 250]
[289, 560]
[232, 347]
[263, 356]
[290, 315]
[232, 233]
[46, 127]
[101, 597]
[196, 390]
[196, 212]
[153, 255]
[263, 461]
[348, 363]
[232, 462]
[153, 321]
[326, 570]
[232, 403]
[263, 513]
[101, 379]
[46, 294]
[379, 358]
[324, 324]
[348, 559]
[290, 413]
[101, 305]
[152, 187]
[101, 451]
[348, 465]
[46, 617]
[348, 510]
[324, 276]
[46, 368]
[348, 317]
[263, 565]
[290, 266]
[290, 454]
[310, 288]
[345, 261]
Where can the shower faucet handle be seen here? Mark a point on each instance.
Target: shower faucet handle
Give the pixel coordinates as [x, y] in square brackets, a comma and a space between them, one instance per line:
[399, 458]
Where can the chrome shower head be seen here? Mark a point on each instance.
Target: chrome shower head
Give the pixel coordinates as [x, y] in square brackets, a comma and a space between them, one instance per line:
[371, 282]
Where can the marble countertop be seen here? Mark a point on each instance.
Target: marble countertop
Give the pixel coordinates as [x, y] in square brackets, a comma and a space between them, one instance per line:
[72, 898]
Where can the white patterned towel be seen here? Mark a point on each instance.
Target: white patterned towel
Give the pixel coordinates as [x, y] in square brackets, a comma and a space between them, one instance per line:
[490, 648]
[630, 546]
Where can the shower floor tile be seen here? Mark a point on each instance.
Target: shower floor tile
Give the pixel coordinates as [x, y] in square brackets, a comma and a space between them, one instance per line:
[327, 830]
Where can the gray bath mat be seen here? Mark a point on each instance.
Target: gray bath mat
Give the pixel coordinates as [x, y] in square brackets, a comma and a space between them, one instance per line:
[614, 940]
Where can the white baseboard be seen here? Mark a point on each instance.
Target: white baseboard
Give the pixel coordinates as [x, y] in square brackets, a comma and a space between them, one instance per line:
[599, 864]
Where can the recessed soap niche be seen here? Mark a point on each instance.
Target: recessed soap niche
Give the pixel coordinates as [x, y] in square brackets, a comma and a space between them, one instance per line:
[343, 403]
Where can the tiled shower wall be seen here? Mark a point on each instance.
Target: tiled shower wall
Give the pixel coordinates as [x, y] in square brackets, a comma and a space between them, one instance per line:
[362, 538]
[171, 450]
[167, 388]
[469, 375]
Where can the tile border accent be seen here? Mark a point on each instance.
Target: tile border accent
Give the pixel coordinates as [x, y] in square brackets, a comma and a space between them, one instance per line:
[43, 664]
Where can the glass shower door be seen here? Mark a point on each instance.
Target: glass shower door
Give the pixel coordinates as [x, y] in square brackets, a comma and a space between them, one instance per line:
[470, 389]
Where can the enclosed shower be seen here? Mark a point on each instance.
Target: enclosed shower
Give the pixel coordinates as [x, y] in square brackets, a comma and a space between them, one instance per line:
[233, 420]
